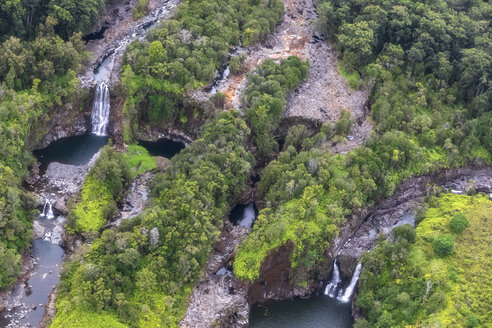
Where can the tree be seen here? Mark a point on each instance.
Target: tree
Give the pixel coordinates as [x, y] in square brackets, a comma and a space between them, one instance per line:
[357, 40]
[443, 245]
[458, 223]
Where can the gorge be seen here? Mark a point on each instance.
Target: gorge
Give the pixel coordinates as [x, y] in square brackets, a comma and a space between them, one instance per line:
[245, 163]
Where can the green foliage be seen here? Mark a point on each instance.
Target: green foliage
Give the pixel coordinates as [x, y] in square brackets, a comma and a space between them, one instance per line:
[140, 9]
[404, 232]
[36, 77]
[443, 245]
[408, 285]
[21, 18]
[343, 125]
[236, 64]
[192, 46]
[143, 273]
[351, 76]
[458, 223]
[102, 189]
[418, 64]
[264, 97]
[138, 160]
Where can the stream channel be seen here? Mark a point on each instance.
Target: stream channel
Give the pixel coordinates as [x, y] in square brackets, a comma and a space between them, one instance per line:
[63, 166]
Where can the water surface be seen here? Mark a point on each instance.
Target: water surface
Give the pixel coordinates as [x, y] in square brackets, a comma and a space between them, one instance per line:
[76, 150]
[317, 312]
[163, 147]
[243, 215]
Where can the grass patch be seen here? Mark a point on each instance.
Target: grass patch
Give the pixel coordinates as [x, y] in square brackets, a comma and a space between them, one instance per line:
[351, 76]
[139, 160]
[410, 285]
[90, 214]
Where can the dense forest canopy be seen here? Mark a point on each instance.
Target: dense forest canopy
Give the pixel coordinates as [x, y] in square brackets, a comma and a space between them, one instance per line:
[21, 18]
[427, 66]
[183, 54]
[38, 67]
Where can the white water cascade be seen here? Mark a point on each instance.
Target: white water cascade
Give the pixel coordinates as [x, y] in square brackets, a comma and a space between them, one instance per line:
[48, 210]
[349, 291]
[100, 109]
[332, 287]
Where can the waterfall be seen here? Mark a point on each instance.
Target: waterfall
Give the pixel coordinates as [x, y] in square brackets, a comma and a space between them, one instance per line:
[347, 295]
[47, 210]
[331, 288]
[100, 109]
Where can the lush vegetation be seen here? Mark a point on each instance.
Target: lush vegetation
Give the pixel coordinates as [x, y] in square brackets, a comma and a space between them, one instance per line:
[21, 18]
[139, 161]
[102, 189]
[406, 282]
[142, 273]
[427, 66]
[37, 77]
[183, 53]
[264, 97]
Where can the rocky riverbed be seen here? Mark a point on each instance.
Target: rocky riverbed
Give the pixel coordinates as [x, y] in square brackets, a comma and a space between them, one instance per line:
[121, 30]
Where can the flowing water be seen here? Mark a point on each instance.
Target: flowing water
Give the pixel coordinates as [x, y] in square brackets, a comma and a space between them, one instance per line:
[243, 215]
[100, 110]
[317, 312]
[335, 282]
[349, 291]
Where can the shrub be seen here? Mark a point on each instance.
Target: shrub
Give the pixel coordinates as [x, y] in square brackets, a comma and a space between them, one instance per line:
[405, 231]
[472, 320]
[443, 245]
[458, 223]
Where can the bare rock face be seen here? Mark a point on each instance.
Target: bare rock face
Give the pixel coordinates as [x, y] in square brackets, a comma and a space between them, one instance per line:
[367, 226]
[134, 202]
[38, 229]
[220, 300]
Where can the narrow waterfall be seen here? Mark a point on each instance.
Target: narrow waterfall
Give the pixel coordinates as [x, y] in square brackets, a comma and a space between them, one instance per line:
[48, 210]
[333, 285]
[347, 295]
[100, 109]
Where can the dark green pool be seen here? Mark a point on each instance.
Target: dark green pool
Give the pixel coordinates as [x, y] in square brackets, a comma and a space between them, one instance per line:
[317, 312]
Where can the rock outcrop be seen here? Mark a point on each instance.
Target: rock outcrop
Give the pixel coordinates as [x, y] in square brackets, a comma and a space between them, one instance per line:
[219, 299]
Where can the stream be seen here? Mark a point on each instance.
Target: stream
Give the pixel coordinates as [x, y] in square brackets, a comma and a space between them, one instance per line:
[63, 166]
[60, 159]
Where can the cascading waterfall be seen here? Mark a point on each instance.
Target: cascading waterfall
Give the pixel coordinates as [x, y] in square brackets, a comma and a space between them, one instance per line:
[333, 285]
[100, 110]
[48, 210]
[347, 295]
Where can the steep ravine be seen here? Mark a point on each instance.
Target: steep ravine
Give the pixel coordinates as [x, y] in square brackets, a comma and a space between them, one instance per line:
[325, 93]
[362, 229]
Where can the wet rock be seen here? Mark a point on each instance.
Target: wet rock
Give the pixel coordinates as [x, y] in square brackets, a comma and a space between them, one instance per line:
[363, 229]
[38, 229]
[61, 206]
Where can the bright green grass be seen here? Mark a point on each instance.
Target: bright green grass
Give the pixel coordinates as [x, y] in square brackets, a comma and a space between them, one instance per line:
[139, 161]
[467, 272]
[89, 213]
[353, 79]
[78, 318]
